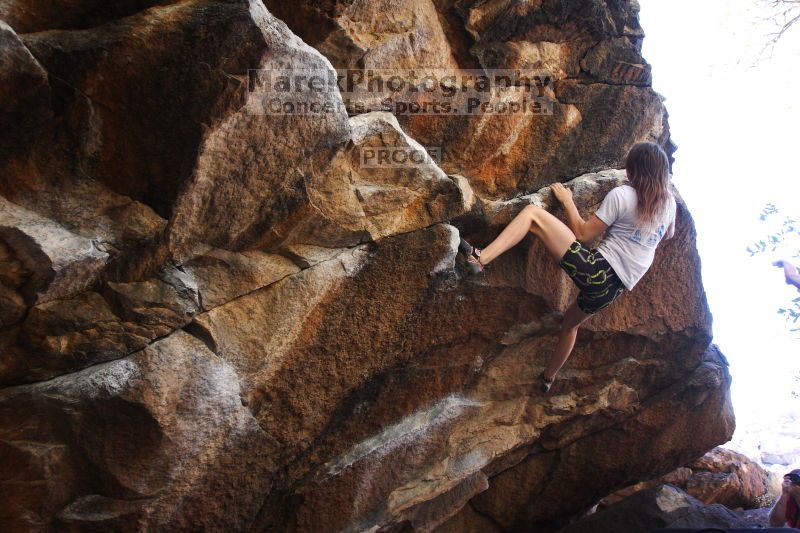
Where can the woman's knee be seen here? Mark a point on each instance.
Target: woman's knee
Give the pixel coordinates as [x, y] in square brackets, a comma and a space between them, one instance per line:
[574, 317]
[531, 210]
[532, 213]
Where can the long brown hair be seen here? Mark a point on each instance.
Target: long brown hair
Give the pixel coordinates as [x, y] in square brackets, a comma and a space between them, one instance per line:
[647, 168]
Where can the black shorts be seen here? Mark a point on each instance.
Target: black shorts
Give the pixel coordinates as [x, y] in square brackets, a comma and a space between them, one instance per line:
[598, 283]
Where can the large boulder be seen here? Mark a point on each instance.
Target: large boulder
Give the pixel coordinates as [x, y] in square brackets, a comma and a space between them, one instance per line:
[721, 476]
[727, 477]
[214, 317]
[659, 507]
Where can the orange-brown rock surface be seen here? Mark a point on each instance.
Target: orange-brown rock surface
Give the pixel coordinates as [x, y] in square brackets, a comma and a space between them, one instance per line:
[721, 476]
[219, 320]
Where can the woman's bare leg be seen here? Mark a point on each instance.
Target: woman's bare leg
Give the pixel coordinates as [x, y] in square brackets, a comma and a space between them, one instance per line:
[573, 318]
[557, 238]
[555, 235]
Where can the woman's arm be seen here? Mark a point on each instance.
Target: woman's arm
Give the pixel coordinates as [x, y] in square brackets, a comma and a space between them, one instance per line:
[584, 230]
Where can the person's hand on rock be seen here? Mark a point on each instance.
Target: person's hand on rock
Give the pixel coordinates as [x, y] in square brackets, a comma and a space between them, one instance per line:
[561, 193]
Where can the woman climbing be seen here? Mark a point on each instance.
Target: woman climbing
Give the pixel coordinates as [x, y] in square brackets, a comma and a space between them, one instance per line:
[635, 218]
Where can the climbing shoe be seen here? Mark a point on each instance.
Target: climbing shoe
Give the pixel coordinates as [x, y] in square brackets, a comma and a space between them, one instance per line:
[473, 255]
[544, 383]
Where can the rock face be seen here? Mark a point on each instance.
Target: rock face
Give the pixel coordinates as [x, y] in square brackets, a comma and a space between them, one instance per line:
[214, 319]
[721, 476]
[726, 477]
[663, 506]
[600, 90]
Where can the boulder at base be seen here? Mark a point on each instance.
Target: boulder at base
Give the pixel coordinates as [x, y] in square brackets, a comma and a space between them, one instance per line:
[664, 506]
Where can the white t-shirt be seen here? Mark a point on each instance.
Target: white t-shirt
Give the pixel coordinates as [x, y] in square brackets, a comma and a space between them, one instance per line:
[627, 247]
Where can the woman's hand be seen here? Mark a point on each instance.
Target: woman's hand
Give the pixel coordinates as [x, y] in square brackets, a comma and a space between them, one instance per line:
[561, 193]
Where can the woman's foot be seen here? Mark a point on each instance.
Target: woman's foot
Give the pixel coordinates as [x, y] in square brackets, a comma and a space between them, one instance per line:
[544, 383]
[473, 256]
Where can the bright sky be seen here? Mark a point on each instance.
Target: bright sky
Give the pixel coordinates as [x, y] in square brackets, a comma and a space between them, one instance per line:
[736, 129]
